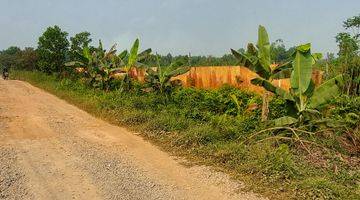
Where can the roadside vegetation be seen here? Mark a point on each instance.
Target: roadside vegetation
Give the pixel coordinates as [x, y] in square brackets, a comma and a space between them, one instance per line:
[299, 144]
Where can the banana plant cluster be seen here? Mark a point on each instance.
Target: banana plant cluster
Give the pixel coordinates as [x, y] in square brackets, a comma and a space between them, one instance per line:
[258, 60]
[102, 67]
[96, 65]
[303, 99]
[128, 61]
[160, 79]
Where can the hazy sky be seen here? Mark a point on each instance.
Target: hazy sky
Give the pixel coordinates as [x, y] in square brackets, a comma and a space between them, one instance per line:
[206, 27]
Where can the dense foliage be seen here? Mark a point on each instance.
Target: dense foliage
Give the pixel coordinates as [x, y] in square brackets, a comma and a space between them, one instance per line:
[259, 60]
[52, 50]
[14, 57]
[349, 58]
[78, 43]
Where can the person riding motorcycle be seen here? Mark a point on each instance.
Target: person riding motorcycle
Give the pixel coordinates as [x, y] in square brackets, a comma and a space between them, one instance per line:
[5, 73]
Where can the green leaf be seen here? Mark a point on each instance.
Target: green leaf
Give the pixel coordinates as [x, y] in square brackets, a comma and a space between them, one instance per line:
[111, 51]
[236, 101]
[310, 91]
[143, 55]
[264, 49]
[282, 71]
[133, 53]
[285, 73]
[252, 63]
[179, 71]
[326, 91]
[243, 59]
[285, 121]
[265, 84]
[251, 50]
[303, 48]
[86, 53]
[302, 69]
[123, 54]
[316, 57]
[272, 88]
[352, 118]
[286, 65]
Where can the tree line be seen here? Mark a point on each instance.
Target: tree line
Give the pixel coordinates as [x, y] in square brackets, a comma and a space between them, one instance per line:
[55, 48]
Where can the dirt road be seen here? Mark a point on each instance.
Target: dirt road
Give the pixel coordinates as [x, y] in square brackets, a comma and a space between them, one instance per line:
[52, 150]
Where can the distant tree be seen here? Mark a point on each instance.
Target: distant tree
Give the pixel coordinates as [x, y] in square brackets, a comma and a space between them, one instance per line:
[78, 43]
[11, 50]
[27, 59]
[53, 47]
[354, 24]
[166, 60]
[228, 59]
[279, 53]
[348, 44]
[349, 58]
[181, 59]
[8, 57]
[241, 50]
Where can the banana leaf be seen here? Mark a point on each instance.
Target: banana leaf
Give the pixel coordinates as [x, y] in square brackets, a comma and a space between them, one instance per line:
[303, 48]
[133, 53]
[316, 57]
[252, 63]
[264, 49]
[302, 69]
[143, 55]
[86, 52]
[123, 54]
[285, 73]
[283, 66]
[243, 59]
[251, 50]
[178, 71]
[326, 91]
[310, 91]
[272, 88]
[111, 51]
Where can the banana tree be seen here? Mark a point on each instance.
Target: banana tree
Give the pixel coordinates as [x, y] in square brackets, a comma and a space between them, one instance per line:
[258, 60]
[126, 61]
[159, 79]
[102, 67]
[97, 66]
[303, 99]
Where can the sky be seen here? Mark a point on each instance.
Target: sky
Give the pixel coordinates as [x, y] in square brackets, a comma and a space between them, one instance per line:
[199, 27]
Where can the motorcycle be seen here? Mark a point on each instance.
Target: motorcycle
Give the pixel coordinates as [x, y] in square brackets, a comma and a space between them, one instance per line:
[5, 75]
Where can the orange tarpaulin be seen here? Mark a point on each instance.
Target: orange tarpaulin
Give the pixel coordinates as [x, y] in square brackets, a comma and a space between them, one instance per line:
[211, 77]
